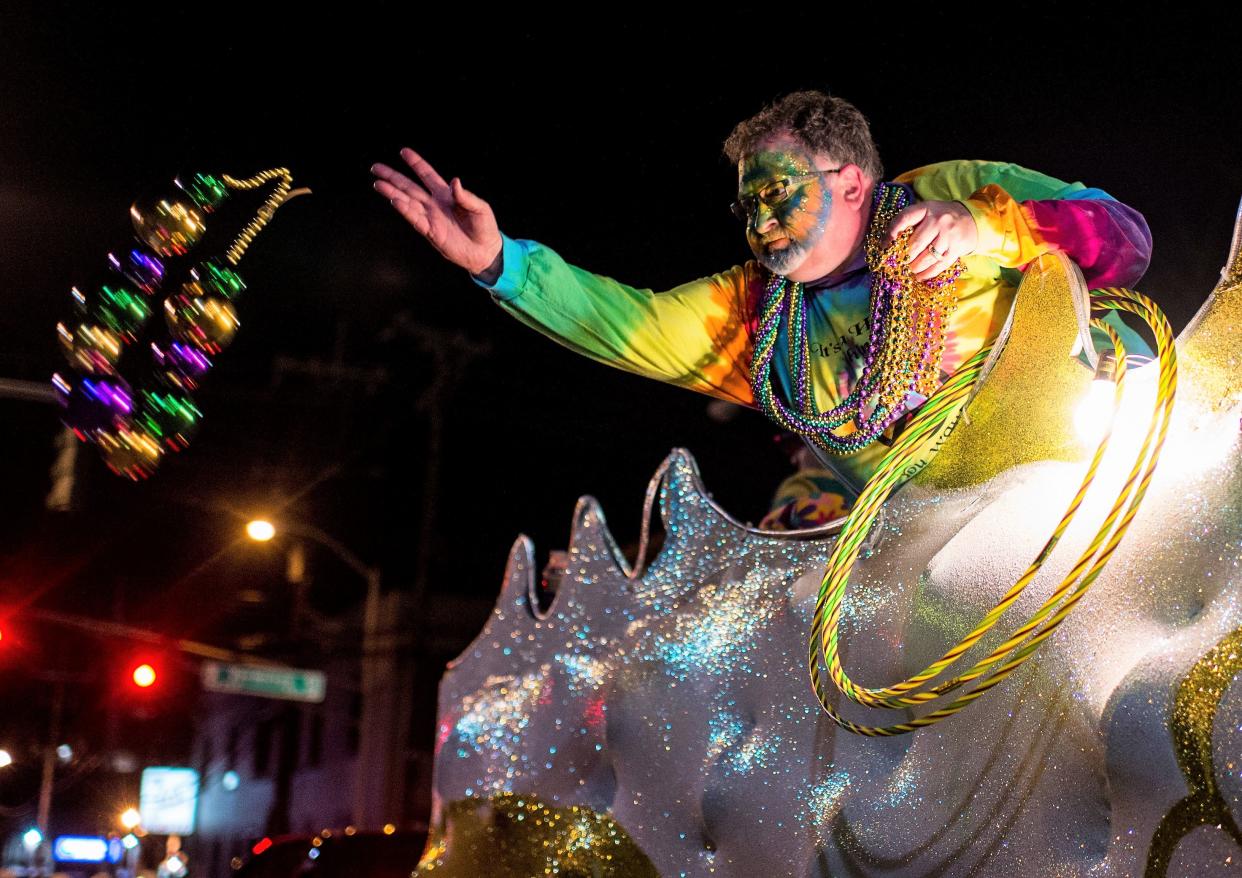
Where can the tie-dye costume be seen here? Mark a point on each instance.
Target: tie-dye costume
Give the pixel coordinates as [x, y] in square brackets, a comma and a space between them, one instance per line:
[698, 335]
[808, 498]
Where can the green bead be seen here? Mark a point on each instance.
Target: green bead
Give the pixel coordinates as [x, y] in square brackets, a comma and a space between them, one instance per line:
[218, 279]
[120, 310]
[205, 190]
[171, 418]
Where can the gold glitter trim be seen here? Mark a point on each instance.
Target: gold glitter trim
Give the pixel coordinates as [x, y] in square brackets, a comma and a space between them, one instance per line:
[1194, 714]
[1021, 411]
[1210, 344]
[518, 836]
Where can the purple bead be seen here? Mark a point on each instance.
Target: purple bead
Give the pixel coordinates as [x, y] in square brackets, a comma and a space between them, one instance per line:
[93, 403]
[180, 365]
[141, 269]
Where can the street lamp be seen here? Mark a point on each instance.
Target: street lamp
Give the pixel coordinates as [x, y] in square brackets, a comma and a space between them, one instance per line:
[377, 671]
[130, 818]
[5, 759]
[260, 530]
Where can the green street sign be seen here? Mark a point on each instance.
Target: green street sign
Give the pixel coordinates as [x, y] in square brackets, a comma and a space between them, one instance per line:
[264, 681]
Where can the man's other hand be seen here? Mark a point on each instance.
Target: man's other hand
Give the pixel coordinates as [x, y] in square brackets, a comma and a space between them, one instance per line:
[943, 232]
[458, 223]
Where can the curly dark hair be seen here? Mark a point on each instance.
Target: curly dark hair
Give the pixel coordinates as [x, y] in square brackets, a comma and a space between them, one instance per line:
[823, 123]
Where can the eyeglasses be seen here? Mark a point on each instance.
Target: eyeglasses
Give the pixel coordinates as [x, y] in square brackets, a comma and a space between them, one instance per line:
[773, 193]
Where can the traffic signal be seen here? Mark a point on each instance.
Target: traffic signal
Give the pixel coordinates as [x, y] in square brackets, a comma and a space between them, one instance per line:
[144, 675]
[10, 639]
[141, 683]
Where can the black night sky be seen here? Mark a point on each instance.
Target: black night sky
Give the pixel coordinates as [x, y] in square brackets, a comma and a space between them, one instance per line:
[601, 140]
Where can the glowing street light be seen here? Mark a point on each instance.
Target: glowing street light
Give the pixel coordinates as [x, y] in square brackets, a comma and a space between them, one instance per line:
[260, 530]
[5, 759]
[130, 818]
[32, 838]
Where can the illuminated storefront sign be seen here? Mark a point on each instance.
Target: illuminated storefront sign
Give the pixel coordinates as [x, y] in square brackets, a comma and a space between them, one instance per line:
[168, 800]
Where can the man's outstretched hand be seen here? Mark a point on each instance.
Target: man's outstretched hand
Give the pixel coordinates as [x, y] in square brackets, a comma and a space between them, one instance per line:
[458, 223]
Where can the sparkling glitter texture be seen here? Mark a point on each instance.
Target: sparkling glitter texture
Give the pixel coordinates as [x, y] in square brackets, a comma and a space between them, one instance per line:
[1018, 414]
[664, 724]
[521, 836]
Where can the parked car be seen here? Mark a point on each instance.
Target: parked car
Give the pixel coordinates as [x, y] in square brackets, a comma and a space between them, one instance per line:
[338, 854]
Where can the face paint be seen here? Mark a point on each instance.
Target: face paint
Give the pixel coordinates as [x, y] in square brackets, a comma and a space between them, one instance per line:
[801, 216]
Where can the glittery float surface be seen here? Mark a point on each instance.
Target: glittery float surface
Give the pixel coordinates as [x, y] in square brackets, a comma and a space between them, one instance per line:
[664, 724]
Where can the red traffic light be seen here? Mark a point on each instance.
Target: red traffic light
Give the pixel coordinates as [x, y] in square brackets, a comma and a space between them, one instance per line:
[144, 676]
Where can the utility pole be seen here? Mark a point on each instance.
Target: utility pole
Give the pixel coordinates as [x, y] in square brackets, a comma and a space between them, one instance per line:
[451, 354]
[44, 814]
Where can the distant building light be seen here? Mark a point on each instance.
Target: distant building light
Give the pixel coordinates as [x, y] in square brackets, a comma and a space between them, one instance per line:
[32, 838]
[349, 830]
[80, 849]
[5, 759]
[64, 752]
[130, 841]
[313, 854]
[124, 762]
[231, 780]
[261, 846]
[389, 829]
[236, 863]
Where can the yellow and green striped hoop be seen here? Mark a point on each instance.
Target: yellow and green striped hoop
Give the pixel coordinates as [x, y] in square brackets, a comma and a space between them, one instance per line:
[945, 403]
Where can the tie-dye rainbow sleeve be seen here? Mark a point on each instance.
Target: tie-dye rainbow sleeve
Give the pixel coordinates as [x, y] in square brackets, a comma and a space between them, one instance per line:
[1022, 214]
[693, 336]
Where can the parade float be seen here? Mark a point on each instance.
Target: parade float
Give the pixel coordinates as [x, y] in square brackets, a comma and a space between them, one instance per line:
[1068, 703]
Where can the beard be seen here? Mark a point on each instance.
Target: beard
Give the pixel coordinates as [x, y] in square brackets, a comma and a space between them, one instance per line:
[784, 260]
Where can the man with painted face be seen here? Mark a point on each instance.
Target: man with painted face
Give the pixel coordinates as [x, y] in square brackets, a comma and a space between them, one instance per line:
[811, 193]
